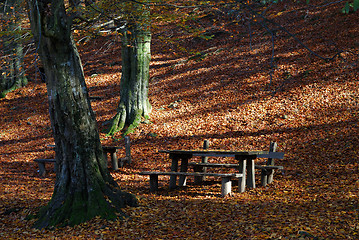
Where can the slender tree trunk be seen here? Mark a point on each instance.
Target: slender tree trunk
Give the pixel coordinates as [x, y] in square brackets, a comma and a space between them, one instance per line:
[136, 57]
[83, 188]
[12, 75]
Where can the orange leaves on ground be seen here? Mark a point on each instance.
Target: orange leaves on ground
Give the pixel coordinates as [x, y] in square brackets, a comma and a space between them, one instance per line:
[227, 97]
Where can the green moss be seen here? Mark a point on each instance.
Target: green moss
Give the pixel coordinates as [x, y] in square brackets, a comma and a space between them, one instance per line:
[116, 125]
[118, 121]
[77, 209]
[3, 94]
[136, 122]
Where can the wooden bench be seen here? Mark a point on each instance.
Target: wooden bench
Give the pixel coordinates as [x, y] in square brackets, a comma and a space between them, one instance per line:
[226, 179]
[112, 150]
[42, 162]
[267, 171]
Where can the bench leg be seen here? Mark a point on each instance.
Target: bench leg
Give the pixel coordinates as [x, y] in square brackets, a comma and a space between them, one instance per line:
[128, 149]
[121, 162]
[198, 179]
[267, 176]
[270, 162]
[153, 183]
[42, 169]
[182, 181]
[204, 159]
[270, 176]
[264, 177]
[226, 186]
[114, 161]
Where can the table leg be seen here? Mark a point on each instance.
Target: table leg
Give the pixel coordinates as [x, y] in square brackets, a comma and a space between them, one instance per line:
[251, 174]
[184, 168]
[242, 170]
[174, 168]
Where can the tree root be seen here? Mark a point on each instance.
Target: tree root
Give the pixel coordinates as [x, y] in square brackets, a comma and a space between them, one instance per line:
[119, 121]
[105, 203]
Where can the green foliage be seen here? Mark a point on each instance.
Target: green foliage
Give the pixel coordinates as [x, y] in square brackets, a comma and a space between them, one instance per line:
[270, 1]
[350, 6]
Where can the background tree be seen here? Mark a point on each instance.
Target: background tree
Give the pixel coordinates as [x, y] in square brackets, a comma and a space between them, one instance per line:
[83, 188]
[12, 75]
[136, 55]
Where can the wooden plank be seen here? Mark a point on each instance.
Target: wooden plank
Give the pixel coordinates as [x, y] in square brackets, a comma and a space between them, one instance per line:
[225, 165]
[230, 165]
[277, 155]
[221, 153]
[45, 160]
[110, 148]
[214, 152]
[268, 167]
[192, 174]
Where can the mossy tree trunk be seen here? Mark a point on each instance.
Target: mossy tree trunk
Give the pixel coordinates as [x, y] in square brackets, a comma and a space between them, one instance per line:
[12, 74]
[84, 187]
[136, 55]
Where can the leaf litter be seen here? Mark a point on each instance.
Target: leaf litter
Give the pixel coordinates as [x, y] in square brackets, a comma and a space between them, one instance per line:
[309, 107]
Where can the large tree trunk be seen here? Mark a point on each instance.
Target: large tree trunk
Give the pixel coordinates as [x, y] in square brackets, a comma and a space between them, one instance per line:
[12, 75]
[136, 57]
[84, 188]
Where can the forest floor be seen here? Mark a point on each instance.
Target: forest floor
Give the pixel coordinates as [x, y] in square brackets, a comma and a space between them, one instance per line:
[223, 89]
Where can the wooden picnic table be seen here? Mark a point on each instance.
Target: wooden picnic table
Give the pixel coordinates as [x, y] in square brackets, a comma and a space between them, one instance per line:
[245, 160]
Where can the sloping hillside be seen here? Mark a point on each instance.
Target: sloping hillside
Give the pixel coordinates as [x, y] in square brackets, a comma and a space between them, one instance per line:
[234, 91]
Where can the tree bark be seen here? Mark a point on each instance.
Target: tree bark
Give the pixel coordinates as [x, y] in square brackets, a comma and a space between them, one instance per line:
[12, 75]
[136, 56]
[84, 187]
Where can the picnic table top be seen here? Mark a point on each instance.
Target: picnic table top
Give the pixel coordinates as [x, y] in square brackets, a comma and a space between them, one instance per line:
[226, 153]
[104, 147]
